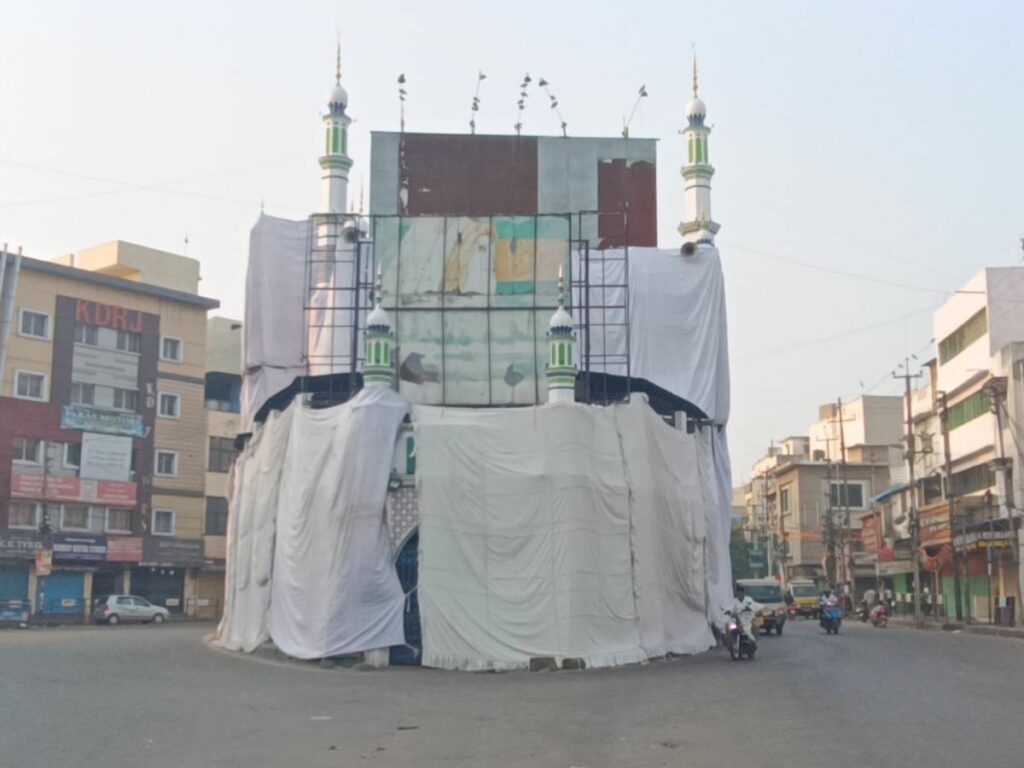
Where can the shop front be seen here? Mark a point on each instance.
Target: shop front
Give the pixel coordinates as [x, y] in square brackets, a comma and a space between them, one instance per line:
[990, 552]
[161, 577]
[17, 554]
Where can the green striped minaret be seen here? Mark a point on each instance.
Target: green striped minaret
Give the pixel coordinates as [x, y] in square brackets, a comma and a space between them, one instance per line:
[561, 368]
[378, 368]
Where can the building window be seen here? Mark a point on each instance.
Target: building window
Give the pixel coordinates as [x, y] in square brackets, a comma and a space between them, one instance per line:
[119, 521]
[74, 517]
[29, 386]
[784, 501]
[83, 394]
[28, 450]
[170, 349]
[72, 455]
[170, 405]
[126, 399]
[853, 497]
[216, 516]
[166, 463]
[34, 324]
[974, 479]
[222, 453]
[23, 514]
[128, 341]
[87, 334]
[967, 410]
[964, 336]
[163, 522]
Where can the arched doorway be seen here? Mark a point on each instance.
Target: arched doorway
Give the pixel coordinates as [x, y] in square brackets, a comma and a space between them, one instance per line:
[407, 565]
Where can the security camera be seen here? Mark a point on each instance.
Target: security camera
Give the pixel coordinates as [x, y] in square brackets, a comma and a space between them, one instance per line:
[688, 249]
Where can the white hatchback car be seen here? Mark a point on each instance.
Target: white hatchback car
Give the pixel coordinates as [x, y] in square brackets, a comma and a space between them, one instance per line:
[124, 608]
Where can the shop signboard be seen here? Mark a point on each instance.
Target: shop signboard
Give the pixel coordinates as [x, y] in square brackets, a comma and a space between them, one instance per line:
[124, 549]
[99, 420]
[108, 492]
[984, 539]
[171, 551]
[79, 547]
[106, 457]
[19, 545]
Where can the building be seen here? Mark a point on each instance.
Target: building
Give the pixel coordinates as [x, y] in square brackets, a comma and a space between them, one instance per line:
[102, 429]
[223, 405]
[807, 495]
[967, 463]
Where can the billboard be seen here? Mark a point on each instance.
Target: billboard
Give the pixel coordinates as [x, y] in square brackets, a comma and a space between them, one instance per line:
[470, 299]
[432, 174]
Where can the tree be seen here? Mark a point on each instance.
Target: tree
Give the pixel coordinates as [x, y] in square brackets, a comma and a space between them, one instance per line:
[739, 553]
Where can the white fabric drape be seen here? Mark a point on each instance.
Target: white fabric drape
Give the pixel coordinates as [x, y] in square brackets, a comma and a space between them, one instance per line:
[562, 530]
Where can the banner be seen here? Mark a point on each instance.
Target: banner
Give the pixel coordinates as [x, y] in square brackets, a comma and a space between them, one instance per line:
[44, 562]
[126, 549]
[107, 492]
[105, 457]
[97, 420]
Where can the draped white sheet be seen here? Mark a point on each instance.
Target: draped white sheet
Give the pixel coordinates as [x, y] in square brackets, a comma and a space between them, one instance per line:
[561, 530]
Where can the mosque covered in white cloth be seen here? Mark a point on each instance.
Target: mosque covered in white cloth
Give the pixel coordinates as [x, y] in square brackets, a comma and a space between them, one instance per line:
[483, 428]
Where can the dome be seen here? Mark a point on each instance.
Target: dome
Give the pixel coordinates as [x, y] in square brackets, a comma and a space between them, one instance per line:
[338, 97]
[561, 319]
[695, 108]
[378, 318]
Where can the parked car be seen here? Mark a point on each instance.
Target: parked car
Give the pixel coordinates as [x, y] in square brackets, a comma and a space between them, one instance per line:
[124, 608]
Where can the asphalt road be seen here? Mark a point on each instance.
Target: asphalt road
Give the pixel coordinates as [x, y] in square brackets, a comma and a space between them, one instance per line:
[157, 696]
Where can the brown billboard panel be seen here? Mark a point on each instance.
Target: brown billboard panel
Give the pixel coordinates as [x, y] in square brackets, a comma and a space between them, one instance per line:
[470, 175]
[627, 199]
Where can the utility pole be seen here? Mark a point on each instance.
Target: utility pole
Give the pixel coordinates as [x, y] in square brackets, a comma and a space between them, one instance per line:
[770, 544]
[847, 533]
[915, 533]
[951, 500]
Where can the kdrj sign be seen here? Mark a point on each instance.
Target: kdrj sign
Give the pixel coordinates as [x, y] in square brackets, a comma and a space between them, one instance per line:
[97, 420]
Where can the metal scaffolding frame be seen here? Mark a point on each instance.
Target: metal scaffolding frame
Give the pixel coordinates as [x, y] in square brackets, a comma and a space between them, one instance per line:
[340, 270]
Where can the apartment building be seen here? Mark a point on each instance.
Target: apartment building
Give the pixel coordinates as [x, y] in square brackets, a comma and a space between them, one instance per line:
[102, 429]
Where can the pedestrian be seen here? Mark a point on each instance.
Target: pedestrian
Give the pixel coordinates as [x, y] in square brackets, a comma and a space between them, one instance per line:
[926, 598]
[888, 595]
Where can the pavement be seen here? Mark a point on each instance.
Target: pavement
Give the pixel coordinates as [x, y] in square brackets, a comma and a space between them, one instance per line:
[158, 696]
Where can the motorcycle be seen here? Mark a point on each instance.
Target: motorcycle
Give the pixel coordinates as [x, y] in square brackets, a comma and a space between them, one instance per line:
[736, 640]
[880, 616]
[831, 618]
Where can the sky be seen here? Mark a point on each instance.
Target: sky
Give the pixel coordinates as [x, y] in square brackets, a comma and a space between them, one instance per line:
[868, 155]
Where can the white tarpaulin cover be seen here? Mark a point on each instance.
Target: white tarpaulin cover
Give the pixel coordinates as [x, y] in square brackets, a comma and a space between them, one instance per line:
[561, 530]
[334, 589]
[275, 323]
[309, 560]
[255, 482]
[677, 336]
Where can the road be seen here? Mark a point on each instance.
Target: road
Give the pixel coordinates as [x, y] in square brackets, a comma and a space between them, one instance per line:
[157, 696]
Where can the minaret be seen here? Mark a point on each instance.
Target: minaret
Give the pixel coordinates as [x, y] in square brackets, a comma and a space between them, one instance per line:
[335, 162]
[561, 368]
[378, 370]
[699, 226]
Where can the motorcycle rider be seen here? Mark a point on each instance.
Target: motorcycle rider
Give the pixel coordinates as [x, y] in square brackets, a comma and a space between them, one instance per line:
[746, 608]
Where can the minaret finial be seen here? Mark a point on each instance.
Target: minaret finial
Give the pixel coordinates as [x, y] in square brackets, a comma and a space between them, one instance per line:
[695, 71]
[561, 287]
[378, 287]
[337, 63]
